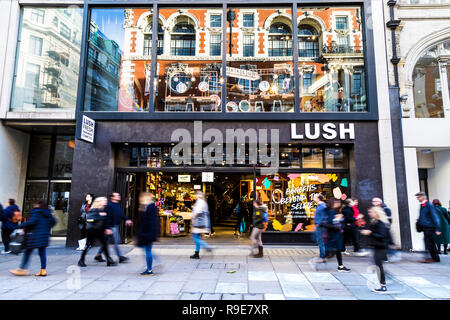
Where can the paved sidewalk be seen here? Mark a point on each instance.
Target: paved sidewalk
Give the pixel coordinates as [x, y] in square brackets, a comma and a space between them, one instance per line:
[283, 273]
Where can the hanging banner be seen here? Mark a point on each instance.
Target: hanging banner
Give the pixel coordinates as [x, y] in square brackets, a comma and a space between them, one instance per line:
[242, 74]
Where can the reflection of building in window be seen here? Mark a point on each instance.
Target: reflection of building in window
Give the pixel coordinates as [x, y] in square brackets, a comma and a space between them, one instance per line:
[183, 38]
[249, 45]
[35, 45]
[37, 15]
[341, 23]
[215, 44]
[216, 21]
[248, 20]
[280, 40]
[148, 39]
[308, 42]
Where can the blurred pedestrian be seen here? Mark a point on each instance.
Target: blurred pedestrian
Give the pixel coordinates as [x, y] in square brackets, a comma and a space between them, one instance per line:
[96, 229]
[320, 220]
[260, 216]
[9, 223]
[390, 252]
[82, 220]
[37, 236]
[428, 222]
[200, 223]
[148, 228]
[240, 216]
[350, 229]
[444, 219]
[114, 216]
[211, 200]
[334, 239]
[378, 232]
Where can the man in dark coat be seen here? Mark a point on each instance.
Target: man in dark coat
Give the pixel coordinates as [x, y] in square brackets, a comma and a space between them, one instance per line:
[8, 226]
[114, 216]
[430, 223]
[37, 236]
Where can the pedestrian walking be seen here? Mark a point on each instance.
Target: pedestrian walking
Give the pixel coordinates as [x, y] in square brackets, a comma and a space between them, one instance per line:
[378, 232]
[444, 219]
[114, 217]
[148, 229]
[82, 220]
[211, 200]
[10, 222]
[334, 238]
[240, 215]
[428, 222]
[200, 223]
[37, 236]
[350, 229]
[320, 221]
[390, 252]
[96, 229]
[260, 216]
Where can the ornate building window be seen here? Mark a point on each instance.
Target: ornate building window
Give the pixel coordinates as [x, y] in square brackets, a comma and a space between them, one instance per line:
[280, 40]
[183, 38]
[148, 40]
[308, 42]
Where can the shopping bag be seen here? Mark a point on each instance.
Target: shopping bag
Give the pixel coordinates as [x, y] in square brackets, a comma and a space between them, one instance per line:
[17, 243]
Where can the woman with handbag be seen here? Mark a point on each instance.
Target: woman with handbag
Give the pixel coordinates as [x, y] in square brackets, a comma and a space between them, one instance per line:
[37, 236]
[200, 223]
[96, 229]
[82, 220]
[334, 238]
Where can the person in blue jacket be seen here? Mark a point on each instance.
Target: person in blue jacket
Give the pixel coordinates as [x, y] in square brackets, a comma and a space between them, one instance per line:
[148, 229]
[429, 221]
[8, 226]
[37, 236]
[320, 218]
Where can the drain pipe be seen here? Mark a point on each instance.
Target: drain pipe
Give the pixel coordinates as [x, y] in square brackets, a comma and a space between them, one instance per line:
[397, 138]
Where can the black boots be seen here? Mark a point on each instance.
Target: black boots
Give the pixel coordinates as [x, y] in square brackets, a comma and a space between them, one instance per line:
[122, 259]
[99, 258]
[260, 253]
[110, 262]
[195, 255]
[81, 263]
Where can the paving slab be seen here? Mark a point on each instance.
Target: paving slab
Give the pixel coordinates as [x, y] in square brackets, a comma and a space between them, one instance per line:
[232, 296]
[165, 287]
[253, 296]
[211, 296]
[190, 296]
[264, 287]
[274, 296]
[131, 295]
[100, 286]
[200, 286]
[231, 287]
[365, 293]
[262, 276]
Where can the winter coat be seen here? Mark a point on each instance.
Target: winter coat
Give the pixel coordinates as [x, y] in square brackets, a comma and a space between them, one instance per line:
[95, 220]
[444, 237]
[379, 238]
[334, 237]
[200, 207]
[259, 215]
[149, 226]
[115, 214]
[82, 218]
[320, 217]
[38, 228]
[8, 213]
[349, 220]
[388, 212]
[428, 217]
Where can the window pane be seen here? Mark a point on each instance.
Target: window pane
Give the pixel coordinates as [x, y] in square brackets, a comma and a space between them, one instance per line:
[34, 191]
[39, 157]
[46, 73]
[216, 21]
[312, 158]
[264, 83]
[335, 158]
[341, 88]
[59, 202]
[63, 157]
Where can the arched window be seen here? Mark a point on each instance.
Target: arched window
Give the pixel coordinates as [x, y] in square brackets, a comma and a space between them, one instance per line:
[280, 40]
[308, 42]
[148, 39]
[429, 82]
[183, 37]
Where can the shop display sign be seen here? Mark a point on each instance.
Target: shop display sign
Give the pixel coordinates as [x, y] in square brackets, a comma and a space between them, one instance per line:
[197, 187]
[203, 86]
[87, 129]
[184, 178]
[242, 74]
[207, 176]
[264, 86]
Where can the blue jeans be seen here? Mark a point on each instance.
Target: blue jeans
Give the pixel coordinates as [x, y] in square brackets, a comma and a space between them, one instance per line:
[148, 256]
[320, 234]
[199, 242]
[116, 237]
[27, 255]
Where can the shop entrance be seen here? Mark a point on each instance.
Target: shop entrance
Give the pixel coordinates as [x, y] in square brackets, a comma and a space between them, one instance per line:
[175, 192]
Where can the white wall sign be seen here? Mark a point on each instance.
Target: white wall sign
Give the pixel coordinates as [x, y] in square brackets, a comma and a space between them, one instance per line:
[328, 131]
[184, 178]
[87, 129]
[207, 176]
[197, 187]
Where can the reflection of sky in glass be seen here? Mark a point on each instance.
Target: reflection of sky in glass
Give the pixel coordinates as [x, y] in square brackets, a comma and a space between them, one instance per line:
[110, 23]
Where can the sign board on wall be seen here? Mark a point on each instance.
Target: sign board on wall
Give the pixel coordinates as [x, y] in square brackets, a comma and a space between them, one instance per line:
[207, 176]
[184, 178]
[87, 129]
[197, 187]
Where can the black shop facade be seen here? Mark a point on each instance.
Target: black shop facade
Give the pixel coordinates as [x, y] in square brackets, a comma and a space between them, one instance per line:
[281, 163]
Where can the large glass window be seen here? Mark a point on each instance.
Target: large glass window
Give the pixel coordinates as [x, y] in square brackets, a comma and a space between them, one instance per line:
[39, 156]
[428, 78]
[148, 39]
[46, 72]
[249, 45]
[308, 42]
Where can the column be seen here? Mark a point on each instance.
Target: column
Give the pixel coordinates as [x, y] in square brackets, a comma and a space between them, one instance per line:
[444, 85]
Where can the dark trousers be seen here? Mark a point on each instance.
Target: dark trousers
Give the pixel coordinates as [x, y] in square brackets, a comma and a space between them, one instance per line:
[430, 245]
[352, 234]
[378, 257]
[27, 255]
[92, 236]
[6, 238]
[438, 246]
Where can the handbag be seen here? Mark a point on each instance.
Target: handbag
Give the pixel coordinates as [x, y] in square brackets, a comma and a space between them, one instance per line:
[419, 226]
[360, 223]
[200, 220]
[17, 243]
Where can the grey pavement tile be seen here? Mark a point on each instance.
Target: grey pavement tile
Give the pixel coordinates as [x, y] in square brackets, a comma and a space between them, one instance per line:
[141, 284]
[100, 286]
[72, 284]
[211, 296]
[321, 277]
[204, 265]
[190, 296]
[130, 295]
[200, 286]
[231, 287]
[165, 287]
[232, 296]
[438, 279]
[350, 279]
[299, 290]
[435, 293]
[415, 281]
[262, 276]
[12, 282]
[274, 296]
[264, 287]
[36, 286]
[86, 296]
[253, 296]
[238, 276]
[51, 295]
[174, 276]
[365, 293]
[234, 266]
[159, 297]
[218, 266]
[322, 291]
[205, 274]
[16, 295]
[339, 297]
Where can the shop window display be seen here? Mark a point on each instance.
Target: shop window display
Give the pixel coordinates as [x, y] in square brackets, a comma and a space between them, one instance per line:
[260, 74]
[289, 197]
